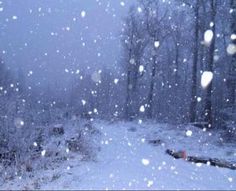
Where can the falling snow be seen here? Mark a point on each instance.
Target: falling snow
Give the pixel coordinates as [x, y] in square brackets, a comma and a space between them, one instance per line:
[206, 79]
[145, 162]
[83, 14]
[208, 36]
[189, 133]
[156, 44]
[117, 95]
[142, 109]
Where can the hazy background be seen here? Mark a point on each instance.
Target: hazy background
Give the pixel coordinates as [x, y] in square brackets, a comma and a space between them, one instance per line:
[52, 39]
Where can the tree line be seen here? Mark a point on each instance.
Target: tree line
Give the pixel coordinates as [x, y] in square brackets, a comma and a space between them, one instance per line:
[168, 45]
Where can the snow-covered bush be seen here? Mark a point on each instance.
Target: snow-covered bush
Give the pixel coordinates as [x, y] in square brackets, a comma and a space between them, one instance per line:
[228, 122]
[41, 148]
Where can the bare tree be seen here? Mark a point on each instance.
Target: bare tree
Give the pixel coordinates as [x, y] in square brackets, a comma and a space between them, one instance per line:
[134, 45]
[232, 73]
[210, 65]
[156, 30]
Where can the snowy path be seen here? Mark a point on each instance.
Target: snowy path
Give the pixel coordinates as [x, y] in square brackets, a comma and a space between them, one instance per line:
[120, 165]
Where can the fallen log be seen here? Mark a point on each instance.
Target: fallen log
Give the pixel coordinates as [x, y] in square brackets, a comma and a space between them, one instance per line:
[58, 130]
[155, 142]
[204, 160]
[176, 155]
[200, 125]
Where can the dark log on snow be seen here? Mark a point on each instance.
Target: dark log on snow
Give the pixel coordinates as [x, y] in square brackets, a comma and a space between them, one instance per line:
[176, 155]
[58, 130]
[200, 125]
[156, 142]
[204, 160]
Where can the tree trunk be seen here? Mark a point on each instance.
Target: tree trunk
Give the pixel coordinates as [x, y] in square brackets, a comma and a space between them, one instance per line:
[232, 86]
[194, 69]
[128, 98]
[177, 53]
[151, 90]
[209, 67]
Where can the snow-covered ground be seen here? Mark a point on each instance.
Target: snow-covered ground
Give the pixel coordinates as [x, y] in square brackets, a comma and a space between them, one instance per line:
[126, 160]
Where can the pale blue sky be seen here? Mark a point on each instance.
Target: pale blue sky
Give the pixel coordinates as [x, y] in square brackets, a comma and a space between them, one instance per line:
[50, 36]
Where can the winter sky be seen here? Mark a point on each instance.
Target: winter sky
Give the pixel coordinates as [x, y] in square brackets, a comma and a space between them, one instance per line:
[45, 38]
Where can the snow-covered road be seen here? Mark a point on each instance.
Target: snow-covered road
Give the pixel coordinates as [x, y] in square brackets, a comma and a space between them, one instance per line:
[126, 161]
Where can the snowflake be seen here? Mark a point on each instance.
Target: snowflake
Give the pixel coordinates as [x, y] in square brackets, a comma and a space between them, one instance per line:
[156, 44]
[208, 36]
[142, 109]
[233, 37]
[231, 49]
[43, 153]
[199, 99]
[19, 122]
[150, 183]
[139, 9]
[206, 79]
[14, 17]
[189, 133]
[83, 14]
[122, 3]
[116, 81]
[145, 162]
[230, 179]
[141, 68]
